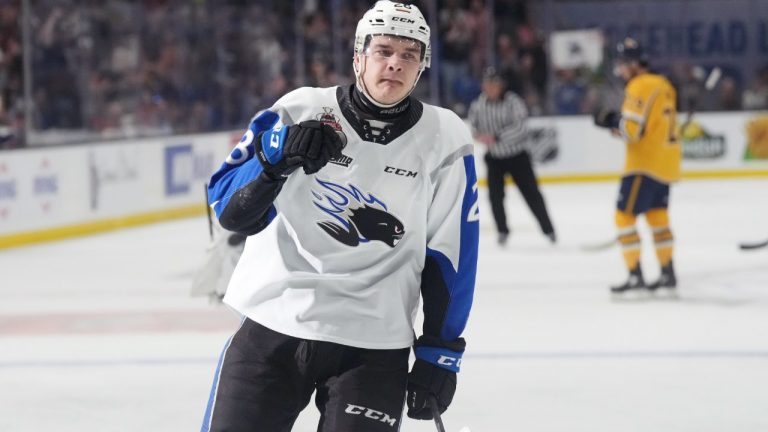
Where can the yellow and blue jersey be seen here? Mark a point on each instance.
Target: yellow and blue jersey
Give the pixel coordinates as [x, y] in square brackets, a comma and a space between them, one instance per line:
[649, 125]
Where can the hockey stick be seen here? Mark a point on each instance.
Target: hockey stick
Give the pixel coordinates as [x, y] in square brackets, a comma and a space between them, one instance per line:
[436, 416]
[596, 247]
[752, 246]
[208, 211]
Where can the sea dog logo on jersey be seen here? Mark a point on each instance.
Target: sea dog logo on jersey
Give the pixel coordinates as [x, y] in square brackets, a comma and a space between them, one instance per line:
[332, 120]
[361, 216]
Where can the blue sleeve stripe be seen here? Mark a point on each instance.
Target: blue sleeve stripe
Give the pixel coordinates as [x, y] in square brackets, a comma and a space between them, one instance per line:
[221, 189]
[461, 283]
[241, 167]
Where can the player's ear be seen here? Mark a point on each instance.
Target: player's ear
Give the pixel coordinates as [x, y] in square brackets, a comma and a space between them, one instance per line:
[356, 61]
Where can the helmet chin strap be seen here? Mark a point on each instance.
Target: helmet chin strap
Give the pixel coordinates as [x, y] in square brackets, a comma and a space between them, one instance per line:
[361, 84]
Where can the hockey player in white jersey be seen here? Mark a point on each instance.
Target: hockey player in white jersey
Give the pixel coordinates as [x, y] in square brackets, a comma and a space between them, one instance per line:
[357, 200]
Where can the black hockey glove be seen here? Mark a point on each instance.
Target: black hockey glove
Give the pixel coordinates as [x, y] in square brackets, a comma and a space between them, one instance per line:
[433, 374]
[309, 144]
[425, 380]
[325, 145]
[607, 118]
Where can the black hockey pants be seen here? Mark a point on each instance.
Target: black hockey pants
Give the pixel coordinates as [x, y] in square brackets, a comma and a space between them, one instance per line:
[265, 379]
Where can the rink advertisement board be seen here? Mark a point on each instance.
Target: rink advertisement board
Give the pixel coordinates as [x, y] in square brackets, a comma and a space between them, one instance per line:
[59, 192]
[50, 193]
[714, 145]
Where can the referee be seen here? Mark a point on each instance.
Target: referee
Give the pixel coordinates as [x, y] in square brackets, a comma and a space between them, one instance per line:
[498, 120]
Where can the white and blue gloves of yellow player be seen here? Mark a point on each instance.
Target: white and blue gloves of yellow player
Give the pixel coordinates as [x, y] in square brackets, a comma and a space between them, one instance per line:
[309, 144]
[433, 375]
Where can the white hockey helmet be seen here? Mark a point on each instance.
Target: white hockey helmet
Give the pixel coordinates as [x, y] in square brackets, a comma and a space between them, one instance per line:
[396, 19]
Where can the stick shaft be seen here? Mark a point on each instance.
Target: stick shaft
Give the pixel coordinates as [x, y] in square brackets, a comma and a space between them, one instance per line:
[208, 211]
[436, 414]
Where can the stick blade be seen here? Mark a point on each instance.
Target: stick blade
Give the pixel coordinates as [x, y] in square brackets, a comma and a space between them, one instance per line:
[752, 246]
[596, 247]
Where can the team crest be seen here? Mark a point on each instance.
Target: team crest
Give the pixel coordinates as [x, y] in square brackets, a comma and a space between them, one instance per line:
[332, 120]
[358, 217]
[329, 118]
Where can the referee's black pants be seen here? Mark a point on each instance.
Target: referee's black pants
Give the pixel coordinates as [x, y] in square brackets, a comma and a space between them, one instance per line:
[520, 168]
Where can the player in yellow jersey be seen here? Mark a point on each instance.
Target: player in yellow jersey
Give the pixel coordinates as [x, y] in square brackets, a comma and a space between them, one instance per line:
[647, 123]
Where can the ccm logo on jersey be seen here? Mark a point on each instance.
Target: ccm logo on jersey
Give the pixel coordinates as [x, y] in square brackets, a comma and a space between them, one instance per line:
[370, 413]
[449, 361]
[400, 171]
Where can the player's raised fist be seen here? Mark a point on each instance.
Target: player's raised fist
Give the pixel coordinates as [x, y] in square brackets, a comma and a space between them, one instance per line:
[309, 144]
[316, 144]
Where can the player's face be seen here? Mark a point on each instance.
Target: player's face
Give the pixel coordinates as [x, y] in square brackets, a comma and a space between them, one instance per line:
[626, 70]
[391, 67]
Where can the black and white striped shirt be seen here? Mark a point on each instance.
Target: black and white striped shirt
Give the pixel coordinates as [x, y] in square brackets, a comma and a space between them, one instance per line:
[505, 119]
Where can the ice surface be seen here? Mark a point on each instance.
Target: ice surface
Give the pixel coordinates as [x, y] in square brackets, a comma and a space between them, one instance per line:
[99, 333]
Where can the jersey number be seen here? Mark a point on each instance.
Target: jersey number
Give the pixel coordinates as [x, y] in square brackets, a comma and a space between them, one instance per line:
[241, 154]
[672, 121]
[474, 210]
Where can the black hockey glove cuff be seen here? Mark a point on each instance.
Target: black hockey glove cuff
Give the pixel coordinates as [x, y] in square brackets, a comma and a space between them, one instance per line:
[444, 354]
[433, 375]
[607, 118]
[272, 150]
[427, 380]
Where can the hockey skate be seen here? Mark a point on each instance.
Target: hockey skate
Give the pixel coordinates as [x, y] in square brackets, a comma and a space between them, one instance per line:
[667, 281]
[635, 284]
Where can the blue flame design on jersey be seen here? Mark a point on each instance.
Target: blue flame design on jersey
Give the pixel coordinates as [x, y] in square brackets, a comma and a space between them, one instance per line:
[339, 199]
[362, 216]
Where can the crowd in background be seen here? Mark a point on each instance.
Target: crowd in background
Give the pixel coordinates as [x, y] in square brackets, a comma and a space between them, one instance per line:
[118, 68]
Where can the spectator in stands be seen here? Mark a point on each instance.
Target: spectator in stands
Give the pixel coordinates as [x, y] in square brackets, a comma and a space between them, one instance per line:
[320, 74]
[685, 80]
[509, 63]
[729, 97]
[533, 61]
[11, 89]
[57, 96]
[480, 22]
[569, 94]
[456, 44]
[756, 96]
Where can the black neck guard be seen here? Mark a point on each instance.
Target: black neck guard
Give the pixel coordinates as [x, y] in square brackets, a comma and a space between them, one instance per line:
[373, 123]
[370, 110]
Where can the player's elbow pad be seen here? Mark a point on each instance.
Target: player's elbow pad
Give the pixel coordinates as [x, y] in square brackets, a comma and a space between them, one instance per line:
[247, 211]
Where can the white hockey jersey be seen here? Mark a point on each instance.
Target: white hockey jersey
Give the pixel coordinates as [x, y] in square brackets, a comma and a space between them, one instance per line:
[343, 256]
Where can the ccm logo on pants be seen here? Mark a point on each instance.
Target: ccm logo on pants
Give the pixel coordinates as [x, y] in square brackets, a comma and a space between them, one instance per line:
[371, 414]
